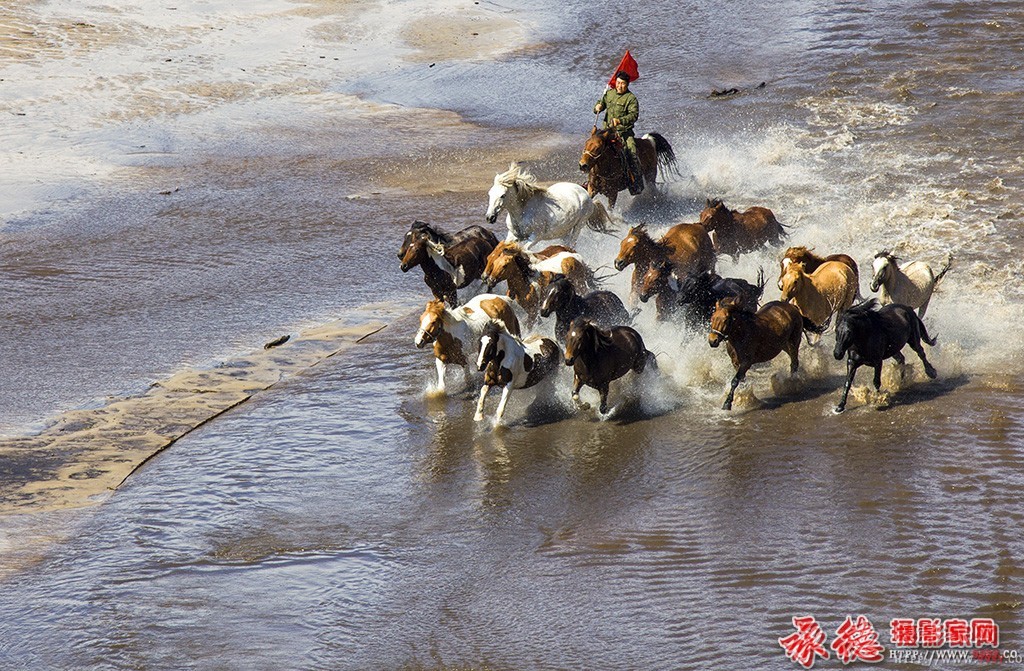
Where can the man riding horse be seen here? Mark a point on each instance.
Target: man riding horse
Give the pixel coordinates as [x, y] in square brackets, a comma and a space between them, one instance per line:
[622, 112]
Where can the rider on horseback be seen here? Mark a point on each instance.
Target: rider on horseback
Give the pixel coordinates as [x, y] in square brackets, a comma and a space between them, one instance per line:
[623, 111]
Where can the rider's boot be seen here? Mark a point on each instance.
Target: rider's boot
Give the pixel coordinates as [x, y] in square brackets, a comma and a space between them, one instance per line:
[636, 178]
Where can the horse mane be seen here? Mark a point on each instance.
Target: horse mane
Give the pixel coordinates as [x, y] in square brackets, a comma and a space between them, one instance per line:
[804, 251]
[864, 308]
[713, 202]
[735, 305]
[886, 254]
[521, 178]
[434, 233]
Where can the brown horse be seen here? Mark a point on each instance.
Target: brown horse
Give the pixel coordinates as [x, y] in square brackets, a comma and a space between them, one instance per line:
[810, 261]
[441, 275]
[597, 356]
[687, 246]
[756, 337]
[528, 274]
[739, 232]
[661, 283]
[828, 290]
[603, 161]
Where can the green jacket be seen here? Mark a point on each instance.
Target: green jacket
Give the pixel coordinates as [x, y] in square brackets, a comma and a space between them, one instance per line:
[623, 107]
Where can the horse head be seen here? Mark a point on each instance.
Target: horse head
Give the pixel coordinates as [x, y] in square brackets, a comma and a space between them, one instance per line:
[846, 326]
[792, 281]
[714, 214]
[557, 295]
[431, 323]
[414, 250]
[579, 338]
[594, 148]
[490, 346]
[628, 247]
[722, 320]
[881, 267]
[793, 255]
[656, 280]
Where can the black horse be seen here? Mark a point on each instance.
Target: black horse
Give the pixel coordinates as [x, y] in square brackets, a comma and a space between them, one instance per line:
[700, 292]
[867, 335]
[602, 307]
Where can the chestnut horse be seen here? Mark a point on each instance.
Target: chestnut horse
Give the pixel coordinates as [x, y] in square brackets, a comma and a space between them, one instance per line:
[868, 336]
[441, 275]
[527, 274]
[686, 246]
[739, 232]
[756, 337]
[603, 161]
[597, 356]
[828, 290]
[810, 261]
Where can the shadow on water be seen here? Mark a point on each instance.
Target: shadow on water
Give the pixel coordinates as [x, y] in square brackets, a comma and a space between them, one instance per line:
[927, 391]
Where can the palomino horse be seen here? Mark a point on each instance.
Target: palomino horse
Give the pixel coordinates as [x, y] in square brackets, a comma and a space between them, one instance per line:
[869, 336]
[911, 284]
[810, 261]
[450, 261]
[739, 232]
[527, 274]
[538, 213]
[455, 332]
[597, 356]
[756, 337]
[828, 290]
[511, 363]
[602, 160]
[604, 308]
[686, 246]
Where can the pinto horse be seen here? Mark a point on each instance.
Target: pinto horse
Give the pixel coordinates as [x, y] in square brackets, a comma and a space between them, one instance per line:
[603, 161]
[867, 335]
[455, 332]
[810, 261]
[604, 308]
[527, 274]
[819, 295]
[450, 261]
[686, 246]
[598, 356]
[738, 232]
[538, 213]
[511, 363]
[757, 337]
[908, 284]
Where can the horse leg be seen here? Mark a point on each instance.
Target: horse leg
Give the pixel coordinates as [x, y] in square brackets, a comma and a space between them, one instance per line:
[577, 384]
[878, 377]
[479, 416]
[929, 370]
[501, 404]
[851, 370]
[604, 397]
[441, 367]
[741, 372]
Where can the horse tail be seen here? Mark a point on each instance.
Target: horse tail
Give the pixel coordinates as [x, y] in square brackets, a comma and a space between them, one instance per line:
[663, 150]
[924, 331]
[762, 281]
[600, 221]
[945, 269]
[650, 359]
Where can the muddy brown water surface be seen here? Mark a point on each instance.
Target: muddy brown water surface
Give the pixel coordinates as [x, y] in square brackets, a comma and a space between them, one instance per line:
[347, 518]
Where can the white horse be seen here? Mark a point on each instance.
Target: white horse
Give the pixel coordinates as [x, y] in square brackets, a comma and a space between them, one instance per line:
[911, 284]
[511, 363]
[538, 213]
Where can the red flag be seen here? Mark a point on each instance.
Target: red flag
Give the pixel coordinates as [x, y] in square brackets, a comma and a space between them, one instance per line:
[627, 65]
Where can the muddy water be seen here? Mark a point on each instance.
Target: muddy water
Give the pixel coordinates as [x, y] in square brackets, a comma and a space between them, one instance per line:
[349, 519]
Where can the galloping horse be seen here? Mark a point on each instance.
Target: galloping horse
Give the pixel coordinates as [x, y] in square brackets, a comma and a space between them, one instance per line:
[810, 261]
[597, 356]
[828, 290]
[699, 294]
[527, 274]
[911, 284]
[511, 363]
[450, 261]
[738, 232]
[602, 159]
[752, 338]
[538, 213]
[604, 308]
[455, 332]
[869, 336]
[686, 246]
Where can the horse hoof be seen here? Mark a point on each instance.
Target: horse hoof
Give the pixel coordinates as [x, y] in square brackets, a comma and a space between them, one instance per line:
[931, 372]
[727, 406]
[478, 418]
[839, 409]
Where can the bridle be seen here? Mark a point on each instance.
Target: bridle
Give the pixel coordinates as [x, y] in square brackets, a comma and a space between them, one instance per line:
[719, 334]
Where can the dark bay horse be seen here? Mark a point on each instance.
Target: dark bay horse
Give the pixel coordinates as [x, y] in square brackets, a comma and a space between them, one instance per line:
[604, 308]
[756, 337]
[699, 293]
[739, 232]
[450, 261]
[868, 335]
[602, 160]
[598, 356]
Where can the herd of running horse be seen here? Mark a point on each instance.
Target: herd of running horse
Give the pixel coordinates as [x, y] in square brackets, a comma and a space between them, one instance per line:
[592, 326]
